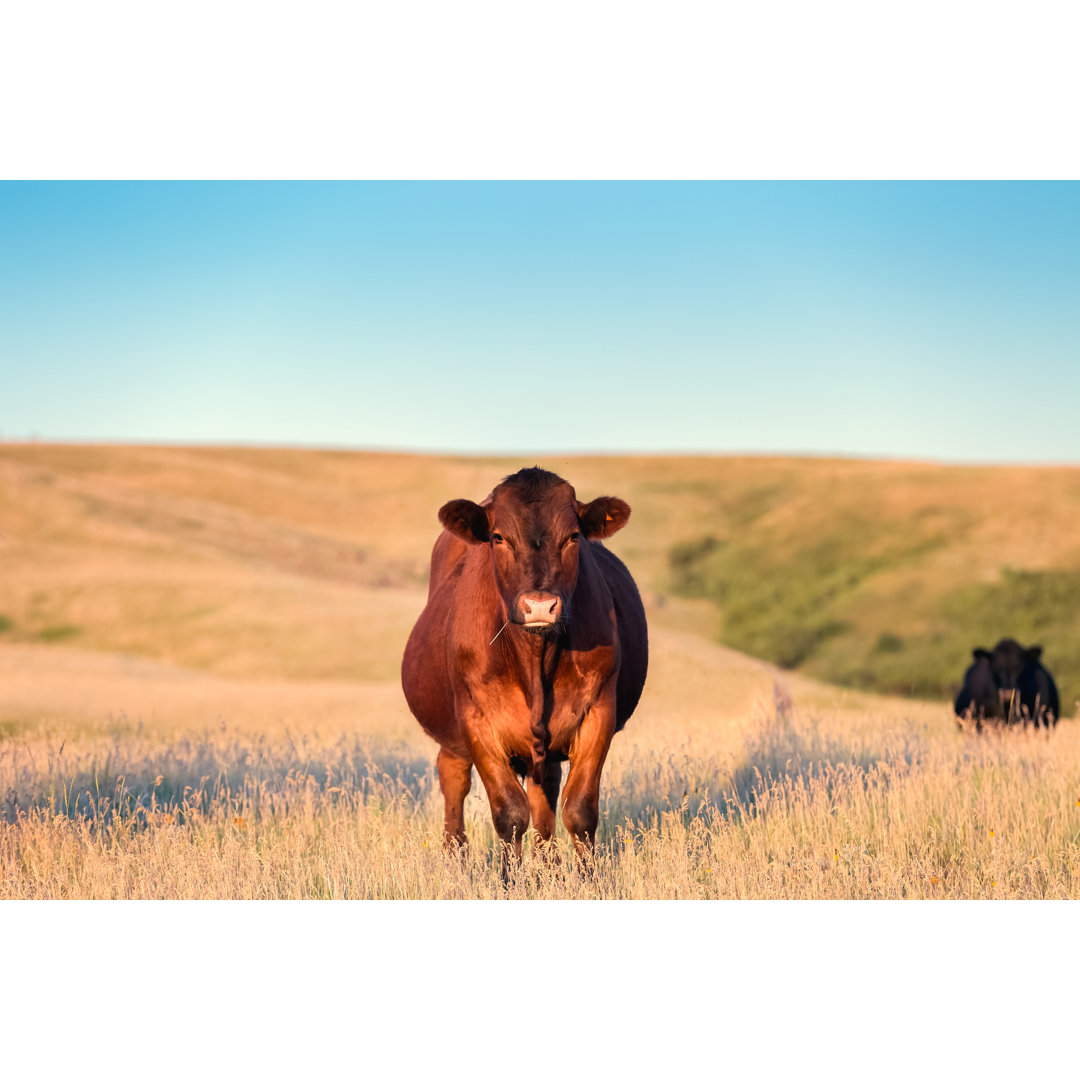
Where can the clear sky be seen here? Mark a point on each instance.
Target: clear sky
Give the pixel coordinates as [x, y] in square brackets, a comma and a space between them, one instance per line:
[928, 320]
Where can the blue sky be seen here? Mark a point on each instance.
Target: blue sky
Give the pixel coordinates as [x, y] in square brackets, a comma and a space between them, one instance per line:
[925, 320]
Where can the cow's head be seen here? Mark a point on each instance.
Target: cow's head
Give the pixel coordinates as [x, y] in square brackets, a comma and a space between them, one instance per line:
[1009, 659]
[535, 525]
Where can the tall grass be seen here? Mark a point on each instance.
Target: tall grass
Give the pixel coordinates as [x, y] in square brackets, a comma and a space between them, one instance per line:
[809, 806]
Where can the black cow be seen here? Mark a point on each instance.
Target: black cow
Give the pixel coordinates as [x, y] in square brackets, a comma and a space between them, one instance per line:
[1010, 685]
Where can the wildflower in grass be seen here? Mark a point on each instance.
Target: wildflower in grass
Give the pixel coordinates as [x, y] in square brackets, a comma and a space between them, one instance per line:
[933, 880]
[991, 832]
[167, 818]
[239, 822]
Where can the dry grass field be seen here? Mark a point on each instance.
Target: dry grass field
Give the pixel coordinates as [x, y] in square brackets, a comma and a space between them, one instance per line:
[198, 697]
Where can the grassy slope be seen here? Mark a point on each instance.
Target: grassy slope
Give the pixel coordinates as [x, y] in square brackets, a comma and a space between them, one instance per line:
[310, 565]
[885, 575]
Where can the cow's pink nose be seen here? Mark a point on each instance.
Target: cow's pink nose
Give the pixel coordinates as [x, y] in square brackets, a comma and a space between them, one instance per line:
[539, 609]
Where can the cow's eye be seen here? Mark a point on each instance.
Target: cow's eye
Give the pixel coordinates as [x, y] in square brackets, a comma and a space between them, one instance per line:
[496, 538]
[574, 537]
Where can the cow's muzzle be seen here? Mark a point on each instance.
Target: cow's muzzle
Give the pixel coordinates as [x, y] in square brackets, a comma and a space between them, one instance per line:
[539, 610]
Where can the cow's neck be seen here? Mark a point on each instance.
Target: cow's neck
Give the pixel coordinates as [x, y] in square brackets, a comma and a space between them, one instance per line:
[536, 656]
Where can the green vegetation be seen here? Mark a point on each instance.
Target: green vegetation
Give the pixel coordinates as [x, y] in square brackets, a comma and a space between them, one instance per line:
[883, 576]
[785, 606]
[49, 634]
[889, 643]
[808, 610]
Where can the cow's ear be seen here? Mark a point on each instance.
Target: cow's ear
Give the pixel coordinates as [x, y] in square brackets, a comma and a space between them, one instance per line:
[467, 520]
[981, 654]
[602, 516]
[1033, 653]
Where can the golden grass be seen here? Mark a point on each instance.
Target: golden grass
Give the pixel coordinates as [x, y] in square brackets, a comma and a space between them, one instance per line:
[829, 805]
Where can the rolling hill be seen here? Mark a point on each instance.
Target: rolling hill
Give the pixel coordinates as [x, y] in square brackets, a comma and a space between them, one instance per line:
[308, 565]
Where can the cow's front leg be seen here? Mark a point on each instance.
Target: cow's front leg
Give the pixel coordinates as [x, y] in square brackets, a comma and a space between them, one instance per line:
[509, 805]
[581, 799]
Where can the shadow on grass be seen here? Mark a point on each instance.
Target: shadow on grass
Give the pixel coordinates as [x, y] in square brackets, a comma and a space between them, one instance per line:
[129, 777]
[784, 754]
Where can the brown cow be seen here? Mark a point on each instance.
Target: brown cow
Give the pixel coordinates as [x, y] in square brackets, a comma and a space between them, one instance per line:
[531, 651]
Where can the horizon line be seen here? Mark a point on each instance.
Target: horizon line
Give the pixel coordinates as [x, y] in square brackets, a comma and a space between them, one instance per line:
[815, 455]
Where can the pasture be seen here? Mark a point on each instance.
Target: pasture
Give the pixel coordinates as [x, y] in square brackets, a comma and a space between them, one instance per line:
[199, 698]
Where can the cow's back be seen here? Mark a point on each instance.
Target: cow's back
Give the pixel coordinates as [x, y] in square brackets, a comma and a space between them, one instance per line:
[633, 634]
[446, 556]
